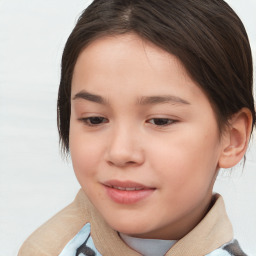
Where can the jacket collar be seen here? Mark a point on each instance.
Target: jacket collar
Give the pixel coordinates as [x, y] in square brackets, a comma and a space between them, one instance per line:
[213, 231]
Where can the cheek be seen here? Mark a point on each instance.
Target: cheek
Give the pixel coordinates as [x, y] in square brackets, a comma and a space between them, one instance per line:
[85, 154]
[186, 161]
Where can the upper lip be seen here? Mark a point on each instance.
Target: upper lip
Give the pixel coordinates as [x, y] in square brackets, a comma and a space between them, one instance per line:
[125, 184]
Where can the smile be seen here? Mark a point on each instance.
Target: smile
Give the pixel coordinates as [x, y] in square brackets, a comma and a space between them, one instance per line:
[127, 192]
[128, 189]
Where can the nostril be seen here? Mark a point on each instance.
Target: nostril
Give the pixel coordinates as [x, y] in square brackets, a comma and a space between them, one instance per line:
[131, 162]
[122, 163]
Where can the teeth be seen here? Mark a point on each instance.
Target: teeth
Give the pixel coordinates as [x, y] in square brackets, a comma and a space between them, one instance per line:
[120, 188]
[128, 189]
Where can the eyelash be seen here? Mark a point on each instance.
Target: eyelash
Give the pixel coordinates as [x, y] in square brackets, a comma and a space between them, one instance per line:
[90, 121]
[98, 120]
[163, 122]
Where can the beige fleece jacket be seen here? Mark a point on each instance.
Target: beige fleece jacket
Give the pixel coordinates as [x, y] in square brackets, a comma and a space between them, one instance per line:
[49, 240]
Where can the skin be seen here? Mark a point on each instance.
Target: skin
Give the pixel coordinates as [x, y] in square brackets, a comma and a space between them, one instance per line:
[156, 127]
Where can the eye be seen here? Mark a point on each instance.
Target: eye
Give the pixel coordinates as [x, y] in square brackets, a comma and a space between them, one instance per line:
[161, 121]
[94, 120]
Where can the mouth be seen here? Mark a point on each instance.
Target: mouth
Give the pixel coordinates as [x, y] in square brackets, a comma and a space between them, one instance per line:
[127, 192]
[126, 185]
[127, 189]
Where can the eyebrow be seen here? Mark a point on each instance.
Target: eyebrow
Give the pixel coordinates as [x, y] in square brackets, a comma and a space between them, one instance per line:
[151, 100]
[90, 97]
[145, 100]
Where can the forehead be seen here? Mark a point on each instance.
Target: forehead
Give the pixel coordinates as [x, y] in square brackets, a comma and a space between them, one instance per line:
[126, 64]
[126, 51]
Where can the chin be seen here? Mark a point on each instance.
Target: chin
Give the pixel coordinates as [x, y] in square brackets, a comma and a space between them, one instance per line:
[131, 228]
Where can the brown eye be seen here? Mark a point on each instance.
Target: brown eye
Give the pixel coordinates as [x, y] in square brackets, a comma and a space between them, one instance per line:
[94, 120]
[161, 121]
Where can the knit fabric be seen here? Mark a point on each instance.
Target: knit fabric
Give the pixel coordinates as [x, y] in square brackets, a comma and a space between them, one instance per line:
[80, 230]
[146, 246]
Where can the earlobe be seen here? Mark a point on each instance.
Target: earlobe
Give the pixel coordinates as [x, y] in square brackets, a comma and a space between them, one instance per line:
[236, 138]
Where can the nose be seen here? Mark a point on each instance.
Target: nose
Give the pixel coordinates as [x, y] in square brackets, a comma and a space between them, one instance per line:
[124, 148]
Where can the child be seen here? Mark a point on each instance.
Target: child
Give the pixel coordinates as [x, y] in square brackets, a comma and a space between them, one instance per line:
[155, 97]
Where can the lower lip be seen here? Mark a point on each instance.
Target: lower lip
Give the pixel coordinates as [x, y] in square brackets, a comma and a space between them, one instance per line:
[128, 196]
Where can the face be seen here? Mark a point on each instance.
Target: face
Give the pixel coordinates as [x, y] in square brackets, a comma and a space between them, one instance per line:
[144, 140]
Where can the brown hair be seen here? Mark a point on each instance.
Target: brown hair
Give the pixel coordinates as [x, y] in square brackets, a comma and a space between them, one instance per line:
[206, 35]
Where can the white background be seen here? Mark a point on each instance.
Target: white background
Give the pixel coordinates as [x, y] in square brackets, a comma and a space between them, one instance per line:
[35, 182]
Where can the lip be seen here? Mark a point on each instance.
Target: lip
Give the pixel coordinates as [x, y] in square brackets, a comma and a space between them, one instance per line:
[127, 192]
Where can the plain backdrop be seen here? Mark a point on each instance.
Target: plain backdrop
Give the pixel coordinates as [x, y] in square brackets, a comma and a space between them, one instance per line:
[35, 182]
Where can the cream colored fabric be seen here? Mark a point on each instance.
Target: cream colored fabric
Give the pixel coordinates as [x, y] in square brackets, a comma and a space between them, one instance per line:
[211, 233]
[49, 240]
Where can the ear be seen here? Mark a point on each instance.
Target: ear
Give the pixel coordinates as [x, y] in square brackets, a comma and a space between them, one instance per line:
[236, 138]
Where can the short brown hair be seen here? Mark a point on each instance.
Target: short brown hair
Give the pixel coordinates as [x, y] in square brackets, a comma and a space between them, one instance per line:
[206, 35]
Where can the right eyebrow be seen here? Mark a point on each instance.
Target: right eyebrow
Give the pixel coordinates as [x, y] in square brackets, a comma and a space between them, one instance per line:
[153, 100]
[90, 97]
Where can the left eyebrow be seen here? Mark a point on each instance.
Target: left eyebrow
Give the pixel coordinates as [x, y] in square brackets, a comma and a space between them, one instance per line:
[152, 100]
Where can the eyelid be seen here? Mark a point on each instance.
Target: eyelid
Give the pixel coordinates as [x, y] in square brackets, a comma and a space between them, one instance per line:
[86, 120]
[170, 121]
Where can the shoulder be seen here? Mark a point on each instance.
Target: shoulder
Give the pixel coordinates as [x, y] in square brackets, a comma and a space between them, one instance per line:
[51, 237]
[230, 249]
